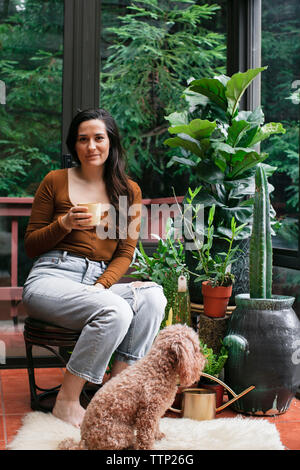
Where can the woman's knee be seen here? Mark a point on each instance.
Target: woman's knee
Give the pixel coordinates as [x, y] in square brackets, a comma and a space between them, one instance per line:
[118, 314]
[154, 300]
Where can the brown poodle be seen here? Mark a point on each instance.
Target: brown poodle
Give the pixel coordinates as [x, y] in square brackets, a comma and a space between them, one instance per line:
[125, 412]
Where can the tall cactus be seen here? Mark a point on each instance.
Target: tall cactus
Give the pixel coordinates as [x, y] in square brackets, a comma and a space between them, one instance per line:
[261, 241]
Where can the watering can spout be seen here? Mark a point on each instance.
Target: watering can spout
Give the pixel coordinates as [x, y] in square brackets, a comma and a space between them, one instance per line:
[235, 396]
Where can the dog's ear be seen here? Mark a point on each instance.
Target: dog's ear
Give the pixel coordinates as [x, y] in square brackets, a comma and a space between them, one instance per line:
[187, 362]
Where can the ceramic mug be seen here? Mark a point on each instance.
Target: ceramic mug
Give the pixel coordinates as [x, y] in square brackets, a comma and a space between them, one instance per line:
[94, 208]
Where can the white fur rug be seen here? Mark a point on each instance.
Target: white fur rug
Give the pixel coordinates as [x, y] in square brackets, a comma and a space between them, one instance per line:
[41, 431]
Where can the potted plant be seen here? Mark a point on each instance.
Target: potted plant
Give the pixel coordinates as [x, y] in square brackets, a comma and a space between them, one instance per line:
[217, 278]
[214, 366]
[263, 331]
[166, 266]
[220, 144]
[213, 269]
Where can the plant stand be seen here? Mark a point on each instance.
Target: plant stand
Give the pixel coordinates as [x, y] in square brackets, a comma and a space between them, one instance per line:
[211, 330]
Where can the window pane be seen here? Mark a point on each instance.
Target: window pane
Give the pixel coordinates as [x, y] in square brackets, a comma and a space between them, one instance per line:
[280, 101]
[286, 282]
[31, 54]
[31, 59]
[147, 57]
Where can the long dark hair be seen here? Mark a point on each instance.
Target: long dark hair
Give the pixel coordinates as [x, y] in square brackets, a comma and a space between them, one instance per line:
[116, 181]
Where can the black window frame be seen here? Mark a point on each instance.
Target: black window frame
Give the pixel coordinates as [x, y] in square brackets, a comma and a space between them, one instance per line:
[81, 62]
[244, 52]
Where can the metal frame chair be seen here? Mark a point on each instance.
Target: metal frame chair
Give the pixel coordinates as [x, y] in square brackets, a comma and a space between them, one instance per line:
[48, 336]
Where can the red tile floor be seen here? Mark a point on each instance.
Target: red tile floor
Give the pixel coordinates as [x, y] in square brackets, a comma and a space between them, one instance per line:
[15, 403]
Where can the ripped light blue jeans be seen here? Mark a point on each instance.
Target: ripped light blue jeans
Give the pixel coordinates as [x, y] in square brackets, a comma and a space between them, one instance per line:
[123, 319]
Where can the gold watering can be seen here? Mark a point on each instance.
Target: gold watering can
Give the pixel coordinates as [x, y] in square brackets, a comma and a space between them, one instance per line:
[200, 403]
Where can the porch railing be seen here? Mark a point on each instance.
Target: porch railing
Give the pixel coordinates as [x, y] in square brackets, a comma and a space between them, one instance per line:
[14, 207]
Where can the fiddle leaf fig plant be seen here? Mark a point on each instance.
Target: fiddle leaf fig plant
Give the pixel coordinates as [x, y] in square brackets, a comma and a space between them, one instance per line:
[224, 151]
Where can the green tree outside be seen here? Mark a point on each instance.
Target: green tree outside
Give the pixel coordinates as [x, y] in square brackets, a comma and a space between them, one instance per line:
[31, 60]
[157, 47]
[281, 52]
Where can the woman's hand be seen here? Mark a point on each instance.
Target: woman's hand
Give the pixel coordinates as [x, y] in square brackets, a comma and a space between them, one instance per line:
[98, 285]
[77, 219]
[95, 287]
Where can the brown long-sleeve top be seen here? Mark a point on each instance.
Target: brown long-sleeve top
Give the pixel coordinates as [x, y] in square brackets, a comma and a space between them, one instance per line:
[45, 231]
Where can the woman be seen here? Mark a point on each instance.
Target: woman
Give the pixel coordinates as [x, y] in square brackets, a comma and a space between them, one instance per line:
[73, 282]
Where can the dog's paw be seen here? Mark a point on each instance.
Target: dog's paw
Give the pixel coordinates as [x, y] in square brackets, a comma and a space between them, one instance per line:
[71, 444]
[159, 435]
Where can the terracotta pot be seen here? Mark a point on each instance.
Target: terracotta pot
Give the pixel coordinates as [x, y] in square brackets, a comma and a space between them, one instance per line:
[240, 269]
[215, 299]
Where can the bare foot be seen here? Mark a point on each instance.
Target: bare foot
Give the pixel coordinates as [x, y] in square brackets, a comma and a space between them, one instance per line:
[70, 411]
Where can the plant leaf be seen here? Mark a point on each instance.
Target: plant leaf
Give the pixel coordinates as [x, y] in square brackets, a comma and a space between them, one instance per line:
[236, 131]
[212, 88]
[237, 85]
[197, 129]
[255, 118]
[250, 160]
[209, 172]
[194, 99]
[186, 143]
[184, 161]
[267, 130]
[177, 119]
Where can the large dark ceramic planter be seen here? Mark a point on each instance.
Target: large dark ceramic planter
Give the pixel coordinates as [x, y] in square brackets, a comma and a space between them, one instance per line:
[263, 343]
[240, 269]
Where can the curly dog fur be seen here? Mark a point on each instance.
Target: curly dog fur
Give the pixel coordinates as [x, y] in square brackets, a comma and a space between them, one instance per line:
[125, 412]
